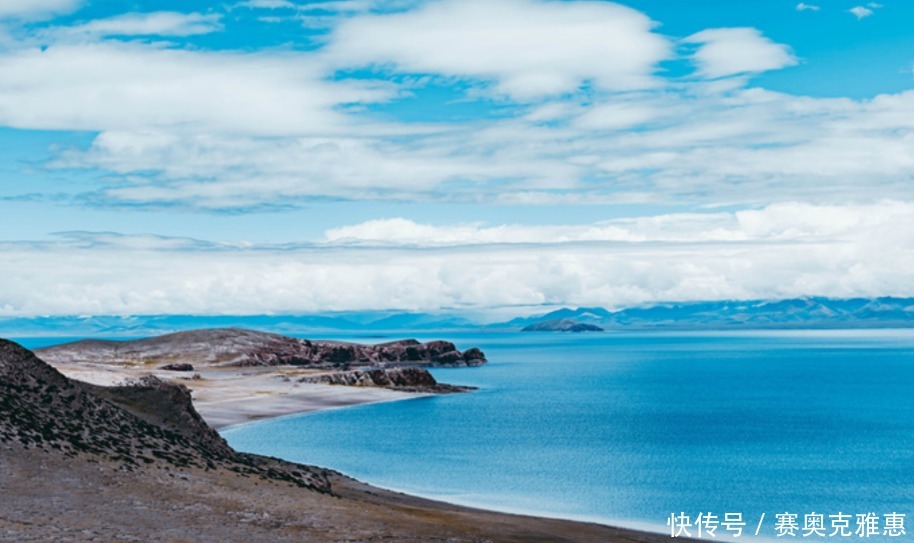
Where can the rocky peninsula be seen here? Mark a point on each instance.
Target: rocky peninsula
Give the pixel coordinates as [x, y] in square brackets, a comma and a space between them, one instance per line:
[237, 375]
[236, 347]
[81, 462]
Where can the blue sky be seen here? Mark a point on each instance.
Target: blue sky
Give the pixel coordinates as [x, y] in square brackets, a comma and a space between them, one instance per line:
[279, 156]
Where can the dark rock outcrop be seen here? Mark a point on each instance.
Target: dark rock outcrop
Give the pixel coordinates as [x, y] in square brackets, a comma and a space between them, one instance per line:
[178, 367]
[405, 379]
[236, 347]
[149, 423]
[562, 325]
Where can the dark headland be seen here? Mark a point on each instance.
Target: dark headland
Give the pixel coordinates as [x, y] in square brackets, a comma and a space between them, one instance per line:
[80, 462]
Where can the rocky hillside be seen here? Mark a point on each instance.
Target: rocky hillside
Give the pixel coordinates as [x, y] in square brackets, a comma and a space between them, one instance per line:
[237, 347]
[151, 422]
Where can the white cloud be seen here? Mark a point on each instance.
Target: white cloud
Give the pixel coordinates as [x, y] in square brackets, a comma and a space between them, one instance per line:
[393, 232]
[730, 51]
[159, 23]
[324, 14]
[115, 86]
[616, 116]
[225, 172]
[228, 130]
[776, 252]
[802, 6]
[787, 222]
[741, 147]
[527, 48]
[358, 6]
[36, 9]
[266, 4]
[860, 12]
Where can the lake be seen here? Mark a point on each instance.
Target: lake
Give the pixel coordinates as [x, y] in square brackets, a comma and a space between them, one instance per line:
[627, 428]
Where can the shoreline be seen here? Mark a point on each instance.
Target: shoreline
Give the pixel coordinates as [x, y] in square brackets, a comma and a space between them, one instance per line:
[396, 396]
[321, 398]
[231, 398]
[634, 526]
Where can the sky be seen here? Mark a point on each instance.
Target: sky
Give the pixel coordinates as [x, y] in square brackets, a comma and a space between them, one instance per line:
[289, 157]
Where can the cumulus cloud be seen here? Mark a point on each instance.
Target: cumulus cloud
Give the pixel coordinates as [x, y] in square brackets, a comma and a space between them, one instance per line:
[775, 252]
[616, 115]
[159, 23]
[860, 12]
[228, 130]
[399, 231]
[747, 146]
[586, 119]
[802, 6]
[730, 51]
[777, 223]
[527, 48]
[232, 130]
[115, 85]
[226, 172]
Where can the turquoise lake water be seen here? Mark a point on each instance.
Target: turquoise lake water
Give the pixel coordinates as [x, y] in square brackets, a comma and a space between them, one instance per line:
[628, 428]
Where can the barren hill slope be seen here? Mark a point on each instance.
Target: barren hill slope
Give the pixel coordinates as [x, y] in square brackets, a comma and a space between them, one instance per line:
[151, 423]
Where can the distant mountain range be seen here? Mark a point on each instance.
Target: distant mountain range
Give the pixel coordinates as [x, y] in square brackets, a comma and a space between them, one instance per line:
[760, 314]
[148, 325]
[818, 313]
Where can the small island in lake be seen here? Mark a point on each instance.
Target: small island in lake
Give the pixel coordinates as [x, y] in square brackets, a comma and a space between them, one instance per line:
[562, 325]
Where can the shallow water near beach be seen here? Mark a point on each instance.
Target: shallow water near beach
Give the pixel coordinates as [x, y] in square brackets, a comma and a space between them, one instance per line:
[628, 428]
